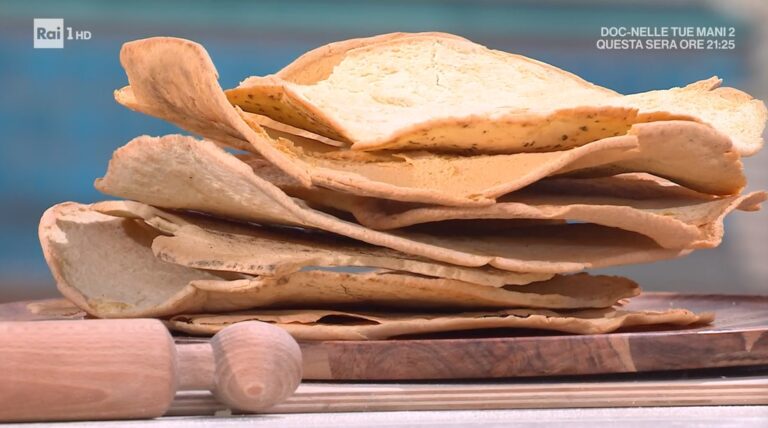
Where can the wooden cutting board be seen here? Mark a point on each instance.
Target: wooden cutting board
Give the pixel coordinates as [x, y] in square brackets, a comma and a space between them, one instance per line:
[739, 337]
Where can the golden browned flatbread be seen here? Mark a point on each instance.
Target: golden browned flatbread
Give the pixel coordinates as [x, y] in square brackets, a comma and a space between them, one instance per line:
[157, 67]
[502, 93]
[184, 173]
[688, 153]
[434, 92]
[336, 325]
[685, 152]
[106, 266]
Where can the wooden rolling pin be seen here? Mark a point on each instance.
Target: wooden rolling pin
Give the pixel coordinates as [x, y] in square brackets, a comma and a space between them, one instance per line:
[131, 369]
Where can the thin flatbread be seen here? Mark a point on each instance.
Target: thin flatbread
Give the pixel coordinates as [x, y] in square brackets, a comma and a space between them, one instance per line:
[688, 153]
[732, 112]
[206, 243]
[451, 103]
[175, 80]
[276, 129]
[671, 215]
[337, 325]
[181, 172]
[670, 219]
[384, 289]
[437, 93]
[105, 265]
[317, 64]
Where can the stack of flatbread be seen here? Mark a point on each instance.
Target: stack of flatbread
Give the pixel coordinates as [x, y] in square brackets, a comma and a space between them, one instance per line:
[396, 185]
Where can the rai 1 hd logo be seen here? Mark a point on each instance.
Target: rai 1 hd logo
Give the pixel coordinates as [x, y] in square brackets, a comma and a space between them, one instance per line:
[50, 33]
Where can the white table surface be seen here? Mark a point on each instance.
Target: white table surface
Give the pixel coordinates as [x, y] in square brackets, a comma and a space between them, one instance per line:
[652, 417]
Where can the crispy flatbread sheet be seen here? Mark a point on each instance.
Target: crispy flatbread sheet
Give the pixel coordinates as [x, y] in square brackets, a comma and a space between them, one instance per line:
[729, 110]
[688, 153]
[337, 325]
[105, 265]
[158, 88]
[670, 220]
[433, 92]
[317, 64]
[206, 243]
[276, 129]
[455, 180]
[181, 172]
[175, 80]
[399, 290]
[671, 215]
[451, 102]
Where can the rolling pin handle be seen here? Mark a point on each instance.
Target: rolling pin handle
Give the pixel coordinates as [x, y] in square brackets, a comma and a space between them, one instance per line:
[257, 365]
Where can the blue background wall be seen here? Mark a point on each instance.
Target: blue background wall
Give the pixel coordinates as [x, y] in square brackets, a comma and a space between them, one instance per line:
[60, 124]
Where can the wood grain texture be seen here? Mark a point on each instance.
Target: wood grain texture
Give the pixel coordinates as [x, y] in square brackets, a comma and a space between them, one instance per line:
[95, 369]
[130, 369]
[738, 337]
[257, 365]
[197, 368]
[520, 394]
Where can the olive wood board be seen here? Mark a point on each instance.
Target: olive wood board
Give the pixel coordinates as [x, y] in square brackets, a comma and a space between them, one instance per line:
[738, 337]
